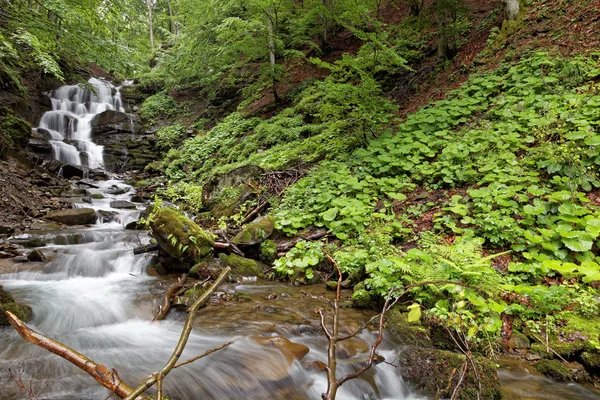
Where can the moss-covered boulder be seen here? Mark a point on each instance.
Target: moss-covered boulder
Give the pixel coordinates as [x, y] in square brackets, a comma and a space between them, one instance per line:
[436, 373]
[591, 360]
[561, 372]
[180, 237]
[207, 268]
[255, 232]
[241, 266]
[567, 350]
[362, 298]
[24, 313]
[518, 341]
[5, 297]
[212, 191]
[397, 324]
[14, 130]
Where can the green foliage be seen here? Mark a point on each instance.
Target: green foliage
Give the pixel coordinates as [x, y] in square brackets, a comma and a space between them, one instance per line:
[300, 263]
[170, 136]
[159, 106]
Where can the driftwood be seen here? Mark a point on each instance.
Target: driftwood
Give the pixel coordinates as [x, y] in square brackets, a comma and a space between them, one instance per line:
[172, 291]
[146, 249]
[285, 246]
[107, 378]
[110, 379]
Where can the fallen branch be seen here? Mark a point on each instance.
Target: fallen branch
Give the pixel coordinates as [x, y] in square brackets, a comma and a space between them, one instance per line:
[185, 334]
[252, 213]
[191, 360]
[231, 246]
[108, 379]
[311, 236]
[146, 249]
[172, 291]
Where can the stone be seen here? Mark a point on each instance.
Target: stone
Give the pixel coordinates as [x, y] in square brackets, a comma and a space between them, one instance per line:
[6, 229]
[69, 171]
[518, 341]
[255, 232]
[205, 269]
[135, 226]
[435, 372]
[122, 204]
[108, 216]
[36, 256]
[115, 122]
[212, 190]
[351, 347]
[562, 372]
[396, 322]
[180, 237]
[96, 196]
[242, 297]
[291, 350]
[73, 216]
[241, 266]
[24, 313]
[39, 144]
[5, 297]
[315, 365]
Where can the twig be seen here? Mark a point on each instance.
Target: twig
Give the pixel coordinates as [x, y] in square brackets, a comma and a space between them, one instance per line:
[191, 360]
[462, 376]
[171, 292]
[551, 349]
[21, 385]
[185, 334]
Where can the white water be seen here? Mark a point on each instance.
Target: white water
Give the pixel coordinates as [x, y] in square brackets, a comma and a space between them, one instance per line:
[73, 109]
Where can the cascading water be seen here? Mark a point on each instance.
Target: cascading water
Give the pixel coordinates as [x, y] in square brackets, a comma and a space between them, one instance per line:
[68, 125]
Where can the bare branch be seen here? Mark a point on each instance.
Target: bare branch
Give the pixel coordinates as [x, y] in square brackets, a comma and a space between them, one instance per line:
[19, 381]
[108, 379]
[165, 306]
[191, 360]
[185, 334]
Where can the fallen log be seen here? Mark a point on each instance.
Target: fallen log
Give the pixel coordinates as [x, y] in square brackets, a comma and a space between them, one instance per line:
[172, 291]
[282, 247]
[146, 249]
[107, 378]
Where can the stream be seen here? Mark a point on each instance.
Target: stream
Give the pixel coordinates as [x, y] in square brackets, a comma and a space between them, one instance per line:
[93, 294]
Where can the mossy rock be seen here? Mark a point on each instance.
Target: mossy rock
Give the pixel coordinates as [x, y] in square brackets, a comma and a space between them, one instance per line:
[180, 237]
[331, 285]
[5, 297]
[15, 130]
[518, 341]
[212, 191]
[24, 313]
[194, 293]
[208, 268]
[242, 297]
[396, 322]
[436, 373]
[591, 360]
[362, 298]
[561, 372]
[241, 266]
[567, 350]
[268, 251]
[96, 196]
[229, 201]
[256, 231]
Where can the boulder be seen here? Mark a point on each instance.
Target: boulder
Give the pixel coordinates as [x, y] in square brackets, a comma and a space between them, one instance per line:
[123, 205]
[24, 313]
[396, 322]
[5, 297]
[518, 341]
[111, 122]
[73, 216]
[36, 256]
[108, 216]
[241, 266]
[180, 237]
[436, 372]
[69, 171]
[291, 350]
[238, 179]
[562, 372]
[6, 228]
[256, 231]
[39, 144]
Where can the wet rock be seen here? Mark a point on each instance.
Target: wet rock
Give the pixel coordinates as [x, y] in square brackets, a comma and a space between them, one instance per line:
[24, 313]
[315, 365]
[26, 240]
[291, 350]
[96, 196]
[39, 144]
[562, 372]
[155, 270]
[205, 269]
[396, 322]
[135, 226]
[6, 229]
[108, 216]
[351, 347]
[241, 266]
[117, 190]
[73, 216]
[114, 122]
[591, 360]
[242, 297]
[256, 231]
[5, 297]
[69, 171]
[36, 256]
[180, 237]
[518, 341]
[123, 205]
[436, 373]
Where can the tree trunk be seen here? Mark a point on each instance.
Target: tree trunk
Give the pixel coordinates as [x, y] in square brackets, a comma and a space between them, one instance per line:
[511, 9]
[272, 60]
[442, 25]
[150, 24]
[172, 22]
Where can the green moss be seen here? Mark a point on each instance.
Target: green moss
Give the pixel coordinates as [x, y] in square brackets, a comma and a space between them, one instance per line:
[229, 200]
[331, 285]
[435, 373]
[14, 129]
[24, 313]
[194, 293]
[397, 324]
[5, 297]
[554, 369]
[180, 237]
[240, 265]
[566, 350]
[268, 251]
[256, 231]
[591, 360]
[97, 196]
[518, 341]
[242, 297]
[361, 297]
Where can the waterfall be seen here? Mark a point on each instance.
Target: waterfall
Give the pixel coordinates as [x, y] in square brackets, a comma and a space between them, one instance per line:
[69, 122]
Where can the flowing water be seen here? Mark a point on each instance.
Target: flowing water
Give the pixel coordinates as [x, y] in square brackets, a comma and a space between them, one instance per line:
[94, 295]
[68, 125]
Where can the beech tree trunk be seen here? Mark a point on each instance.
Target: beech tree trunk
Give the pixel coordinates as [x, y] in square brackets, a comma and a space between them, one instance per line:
[150, 4]
[511, 9]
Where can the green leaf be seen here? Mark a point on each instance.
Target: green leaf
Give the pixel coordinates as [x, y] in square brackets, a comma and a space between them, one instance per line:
[330, 214]
[415, 312]
[579, 243]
